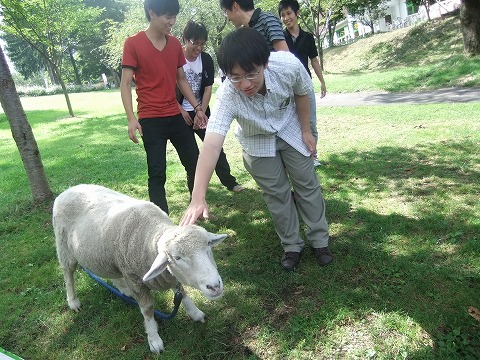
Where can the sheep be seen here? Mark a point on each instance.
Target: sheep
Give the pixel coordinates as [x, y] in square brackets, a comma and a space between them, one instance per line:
[136, 245]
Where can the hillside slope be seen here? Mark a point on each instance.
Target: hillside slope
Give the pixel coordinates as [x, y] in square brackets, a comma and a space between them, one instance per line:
[421, 44]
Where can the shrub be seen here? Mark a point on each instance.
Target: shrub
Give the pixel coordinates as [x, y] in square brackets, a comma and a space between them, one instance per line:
[71, 88]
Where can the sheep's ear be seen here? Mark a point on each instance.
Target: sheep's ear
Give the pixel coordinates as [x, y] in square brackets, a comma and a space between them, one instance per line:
[159, 265]
[215, 239]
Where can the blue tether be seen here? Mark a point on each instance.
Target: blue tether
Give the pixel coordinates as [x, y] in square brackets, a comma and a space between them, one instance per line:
[177, 298]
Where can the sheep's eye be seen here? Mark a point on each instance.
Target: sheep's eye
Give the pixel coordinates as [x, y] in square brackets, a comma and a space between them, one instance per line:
[177, 257]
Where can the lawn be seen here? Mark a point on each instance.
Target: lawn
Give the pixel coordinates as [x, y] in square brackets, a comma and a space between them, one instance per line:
[401, 185]
[428, 55]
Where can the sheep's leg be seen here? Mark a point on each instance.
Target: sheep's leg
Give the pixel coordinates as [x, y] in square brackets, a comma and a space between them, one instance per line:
[141, 293]
[193, 312]
[72, 299]
[68, 263]
[121, 285]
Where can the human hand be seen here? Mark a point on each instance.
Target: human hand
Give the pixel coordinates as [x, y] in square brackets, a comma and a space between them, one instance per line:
[323, 91]
[186, 117]
[195, 210]
[200, 121]
[310, 142]
[133, 126]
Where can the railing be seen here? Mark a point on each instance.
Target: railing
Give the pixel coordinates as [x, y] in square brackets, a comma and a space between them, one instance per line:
[401, 23]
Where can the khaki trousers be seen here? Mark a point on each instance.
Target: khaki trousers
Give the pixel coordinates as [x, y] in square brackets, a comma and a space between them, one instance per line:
[272, 176]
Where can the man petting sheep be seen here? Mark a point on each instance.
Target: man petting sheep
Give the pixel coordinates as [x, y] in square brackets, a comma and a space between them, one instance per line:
[267, 93]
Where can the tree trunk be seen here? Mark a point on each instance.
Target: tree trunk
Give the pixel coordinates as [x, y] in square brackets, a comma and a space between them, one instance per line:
[22, 134]
[470, 25]
[331, 32]
[64, 88]
[51, 74]
[426, 3]
[320, 50]
[116, 78]
[78, 81]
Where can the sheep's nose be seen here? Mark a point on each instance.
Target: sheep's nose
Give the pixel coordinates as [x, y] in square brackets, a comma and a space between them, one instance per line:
[215, 288]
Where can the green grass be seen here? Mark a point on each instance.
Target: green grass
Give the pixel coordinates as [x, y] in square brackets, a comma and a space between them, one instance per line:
[401, 185]
[426, 56]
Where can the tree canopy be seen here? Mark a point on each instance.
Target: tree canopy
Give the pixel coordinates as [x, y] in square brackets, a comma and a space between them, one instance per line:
[53, 28]
[76, 41]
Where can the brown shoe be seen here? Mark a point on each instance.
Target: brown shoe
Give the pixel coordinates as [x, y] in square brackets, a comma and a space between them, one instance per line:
[290, 260]
[323, 255]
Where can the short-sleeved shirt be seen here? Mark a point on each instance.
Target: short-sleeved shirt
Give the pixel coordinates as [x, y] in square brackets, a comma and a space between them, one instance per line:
[208, 78]
[268, 25]
[261, 118]
[193, 74]
[303, 47]
[155, 74]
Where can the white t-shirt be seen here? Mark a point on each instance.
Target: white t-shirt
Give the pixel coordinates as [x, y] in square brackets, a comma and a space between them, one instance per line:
[193, 73]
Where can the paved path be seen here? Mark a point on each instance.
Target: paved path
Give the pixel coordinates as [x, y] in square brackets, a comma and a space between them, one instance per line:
[449, 95]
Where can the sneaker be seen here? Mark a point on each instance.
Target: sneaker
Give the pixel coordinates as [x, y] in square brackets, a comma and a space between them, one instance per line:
[290, 260]
[316, 163]
[323, 255]
[238, 188]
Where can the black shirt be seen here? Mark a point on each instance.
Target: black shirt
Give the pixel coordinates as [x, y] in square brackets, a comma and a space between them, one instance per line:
[303, 47]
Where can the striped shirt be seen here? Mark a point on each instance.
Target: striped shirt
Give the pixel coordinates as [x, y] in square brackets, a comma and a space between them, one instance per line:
[268, 25]
[261, 118]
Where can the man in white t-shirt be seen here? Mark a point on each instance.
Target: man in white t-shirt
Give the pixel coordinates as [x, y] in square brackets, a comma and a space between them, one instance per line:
[200, 73]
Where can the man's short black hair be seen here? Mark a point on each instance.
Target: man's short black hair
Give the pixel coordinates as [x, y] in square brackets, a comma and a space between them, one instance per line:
[195, 31]
[244, 47]
[161, 7]
[285, 4]
[245, 5]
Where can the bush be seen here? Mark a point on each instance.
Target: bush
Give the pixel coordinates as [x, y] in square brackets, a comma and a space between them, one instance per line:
[71, 88]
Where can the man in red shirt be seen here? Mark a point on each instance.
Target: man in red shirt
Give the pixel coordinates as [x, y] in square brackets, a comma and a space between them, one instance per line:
[154, 60]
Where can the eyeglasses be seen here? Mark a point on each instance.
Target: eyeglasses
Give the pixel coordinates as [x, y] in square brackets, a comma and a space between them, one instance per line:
[197, 45]
[237, 78]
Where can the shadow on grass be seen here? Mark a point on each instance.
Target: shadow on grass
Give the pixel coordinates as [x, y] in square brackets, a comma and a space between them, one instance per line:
[418, 266]
[415, 48]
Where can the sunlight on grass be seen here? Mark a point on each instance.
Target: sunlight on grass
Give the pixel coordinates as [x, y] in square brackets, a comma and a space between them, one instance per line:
[425, 56]
[401, 186]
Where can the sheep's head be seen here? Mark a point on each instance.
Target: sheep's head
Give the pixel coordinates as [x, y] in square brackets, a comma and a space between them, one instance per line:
[187, 253]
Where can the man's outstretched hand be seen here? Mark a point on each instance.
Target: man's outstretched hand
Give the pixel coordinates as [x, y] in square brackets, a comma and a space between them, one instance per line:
[193, 212]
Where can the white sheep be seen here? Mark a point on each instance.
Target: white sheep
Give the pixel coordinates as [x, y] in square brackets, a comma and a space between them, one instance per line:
[136, 245]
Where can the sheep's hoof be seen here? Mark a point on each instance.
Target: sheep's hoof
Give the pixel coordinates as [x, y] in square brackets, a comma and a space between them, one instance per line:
[74, 304]
[155, 343]
[198, 316]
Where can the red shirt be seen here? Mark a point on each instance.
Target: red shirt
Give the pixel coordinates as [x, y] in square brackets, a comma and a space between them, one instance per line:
[155, 74]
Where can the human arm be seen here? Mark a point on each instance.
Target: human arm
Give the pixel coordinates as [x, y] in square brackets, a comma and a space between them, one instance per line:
[126, 94]
[207, 95]
[318, 71]
[200, 120]
[186, 115]
[212, 145]
[273, 32]
[302, 104]
[280, 45]
[208, 78]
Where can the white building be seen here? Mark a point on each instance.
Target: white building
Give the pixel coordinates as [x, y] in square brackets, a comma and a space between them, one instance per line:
[398, 13]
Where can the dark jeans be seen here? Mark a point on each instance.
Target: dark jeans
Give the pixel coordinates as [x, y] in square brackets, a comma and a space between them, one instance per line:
[223, 168]
[156, 133]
